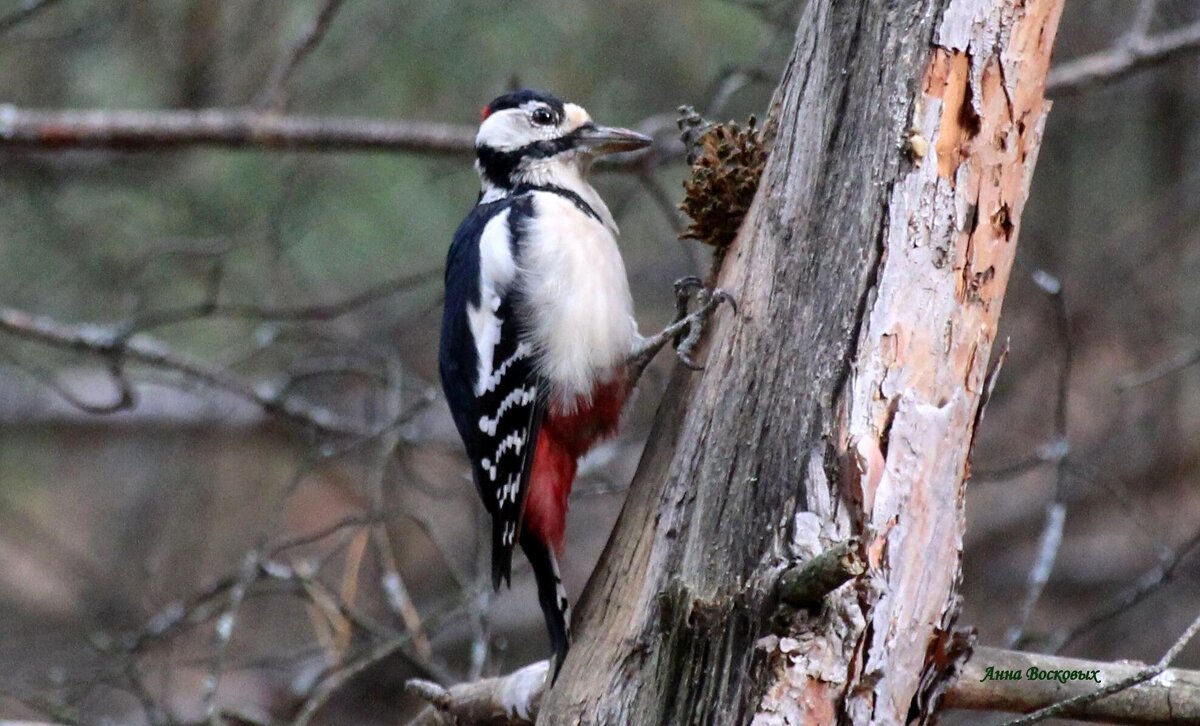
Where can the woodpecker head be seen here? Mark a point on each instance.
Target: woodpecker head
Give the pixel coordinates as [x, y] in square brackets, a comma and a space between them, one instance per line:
[529, 137]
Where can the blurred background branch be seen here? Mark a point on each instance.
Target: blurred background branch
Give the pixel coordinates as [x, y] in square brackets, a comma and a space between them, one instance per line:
[27, 11]
[220, 351]
[236, 129]
[1136, 52]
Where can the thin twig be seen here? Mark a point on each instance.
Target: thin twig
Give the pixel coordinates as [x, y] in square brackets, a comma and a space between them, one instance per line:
[223, 634]
[1039, 573]
[735, 80]
[1142, 20]
[275, 94]
[395, 592]
[1146, 585]
[1181, 360]
[1056, 510]
[210, 308]
[334, 679]
[1052, 452]
[26, 12]
[109, 344]
[123, 396]
[347, 522]
[1145, 520]
[479, 600]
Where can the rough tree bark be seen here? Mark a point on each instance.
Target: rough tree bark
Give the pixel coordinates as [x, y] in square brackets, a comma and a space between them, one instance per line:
[842, 397]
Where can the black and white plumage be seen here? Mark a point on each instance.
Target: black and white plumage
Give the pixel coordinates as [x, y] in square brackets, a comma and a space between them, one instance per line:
[487, 369]
[537, 326]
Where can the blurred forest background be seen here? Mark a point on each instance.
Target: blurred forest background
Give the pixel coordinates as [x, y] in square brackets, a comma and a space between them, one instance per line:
[267, 514]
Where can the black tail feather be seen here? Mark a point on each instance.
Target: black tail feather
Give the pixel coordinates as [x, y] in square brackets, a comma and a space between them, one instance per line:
[552, 596]
[501, 555]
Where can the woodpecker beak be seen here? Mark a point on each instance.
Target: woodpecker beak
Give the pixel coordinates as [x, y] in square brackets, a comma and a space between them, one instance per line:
[600, 140]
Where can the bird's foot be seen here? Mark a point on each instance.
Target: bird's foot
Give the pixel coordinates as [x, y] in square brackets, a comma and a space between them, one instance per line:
[684, 333]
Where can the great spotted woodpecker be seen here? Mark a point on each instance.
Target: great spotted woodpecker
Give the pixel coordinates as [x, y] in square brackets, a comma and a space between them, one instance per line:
[539, 347]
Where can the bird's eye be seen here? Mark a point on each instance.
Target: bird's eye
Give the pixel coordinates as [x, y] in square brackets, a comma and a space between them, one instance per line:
[542, 116]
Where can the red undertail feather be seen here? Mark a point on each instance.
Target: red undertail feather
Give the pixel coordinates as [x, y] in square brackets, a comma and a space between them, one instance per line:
[564, 437]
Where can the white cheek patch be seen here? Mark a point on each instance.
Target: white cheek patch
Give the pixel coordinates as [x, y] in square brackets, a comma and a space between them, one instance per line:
[506, 130]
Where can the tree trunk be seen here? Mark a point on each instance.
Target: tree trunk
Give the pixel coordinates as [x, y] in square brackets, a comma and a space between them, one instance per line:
[841, 399]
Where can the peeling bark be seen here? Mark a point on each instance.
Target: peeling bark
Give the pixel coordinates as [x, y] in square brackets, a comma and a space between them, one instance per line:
[923, 353]
[840, 400]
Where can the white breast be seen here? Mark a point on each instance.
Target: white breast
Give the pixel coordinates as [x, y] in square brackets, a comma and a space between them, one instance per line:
[576, 301]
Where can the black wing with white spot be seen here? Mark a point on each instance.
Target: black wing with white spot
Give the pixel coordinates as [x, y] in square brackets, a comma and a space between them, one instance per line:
[487, 368]
[510, 413]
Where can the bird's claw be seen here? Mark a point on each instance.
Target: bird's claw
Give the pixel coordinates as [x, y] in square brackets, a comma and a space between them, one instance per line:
[684, 332]
[685, 285]
[707, 300]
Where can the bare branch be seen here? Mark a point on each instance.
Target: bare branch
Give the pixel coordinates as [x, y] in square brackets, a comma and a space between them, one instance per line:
[1138, 53]
[240, 128]
[515, 698]
[1178, 696]
[1174, 705]
[1142, 19]
[1039, 574]
[245, 129]
[511, 699]
[1052, 452]
[210, 308]
[391, 581]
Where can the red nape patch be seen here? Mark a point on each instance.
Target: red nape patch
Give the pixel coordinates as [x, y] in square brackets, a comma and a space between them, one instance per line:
[484, 113]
